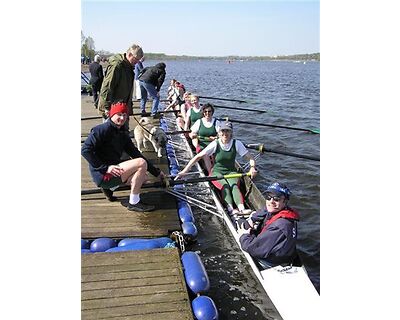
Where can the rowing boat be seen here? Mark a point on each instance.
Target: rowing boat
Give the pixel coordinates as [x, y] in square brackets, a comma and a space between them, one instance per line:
[288, 286]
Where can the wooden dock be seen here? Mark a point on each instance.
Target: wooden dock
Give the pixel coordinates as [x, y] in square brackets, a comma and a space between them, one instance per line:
[146, 284]
[134, 285]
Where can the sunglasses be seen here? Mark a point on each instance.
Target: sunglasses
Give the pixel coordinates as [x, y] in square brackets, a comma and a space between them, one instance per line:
[269, 198]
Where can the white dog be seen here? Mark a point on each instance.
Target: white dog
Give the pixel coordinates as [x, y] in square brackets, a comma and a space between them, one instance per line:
[145, 131]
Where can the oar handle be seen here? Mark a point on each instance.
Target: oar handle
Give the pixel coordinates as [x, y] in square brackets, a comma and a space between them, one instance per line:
[178, 132]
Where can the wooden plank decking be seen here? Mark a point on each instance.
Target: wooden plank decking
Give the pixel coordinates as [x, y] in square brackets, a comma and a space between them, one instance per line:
[134, 285]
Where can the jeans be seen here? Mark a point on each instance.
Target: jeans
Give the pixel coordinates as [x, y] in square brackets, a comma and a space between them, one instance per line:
[148, 88]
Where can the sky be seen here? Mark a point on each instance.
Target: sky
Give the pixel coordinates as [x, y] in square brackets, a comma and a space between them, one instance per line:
[204, 28]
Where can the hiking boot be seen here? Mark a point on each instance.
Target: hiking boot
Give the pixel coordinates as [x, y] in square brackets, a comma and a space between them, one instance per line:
[140, 207]
[109, 194]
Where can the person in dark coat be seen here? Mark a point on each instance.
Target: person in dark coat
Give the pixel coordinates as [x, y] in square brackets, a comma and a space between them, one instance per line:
[96, 78]
[150, 80]
[103, 149]
[118, 81]
[270, 234]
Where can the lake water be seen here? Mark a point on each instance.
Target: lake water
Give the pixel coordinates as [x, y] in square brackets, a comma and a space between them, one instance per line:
[289, 92]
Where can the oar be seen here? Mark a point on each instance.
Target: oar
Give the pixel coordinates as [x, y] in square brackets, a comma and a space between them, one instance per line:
[170, 182]
[223, 99]
[261, 148]
[134, 114]
[244, 109]
[270, 125]
[166, 132]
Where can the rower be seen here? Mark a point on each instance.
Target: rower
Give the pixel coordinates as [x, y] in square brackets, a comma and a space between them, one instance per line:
[270, 234]
[204, 131]
[194, 113]
[224, 150]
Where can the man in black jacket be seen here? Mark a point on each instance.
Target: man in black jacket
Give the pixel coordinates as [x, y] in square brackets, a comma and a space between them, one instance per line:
[103, 150]
[96, 78]
[150, 80]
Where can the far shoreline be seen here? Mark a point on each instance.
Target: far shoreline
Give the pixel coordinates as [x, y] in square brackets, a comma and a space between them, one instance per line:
[85, 67]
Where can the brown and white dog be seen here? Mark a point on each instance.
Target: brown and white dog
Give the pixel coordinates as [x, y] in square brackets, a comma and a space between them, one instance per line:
[145, 131]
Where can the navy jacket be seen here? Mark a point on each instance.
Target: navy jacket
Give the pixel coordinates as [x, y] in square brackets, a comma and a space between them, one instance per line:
[104, 147]
[154, 75]
[275, 243]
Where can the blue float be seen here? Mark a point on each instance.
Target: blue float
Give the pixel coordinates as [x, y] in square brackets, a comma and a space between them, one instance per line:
[85, 244]
[84, 251]
[185, 212]
[144, 245]
[102, 244]
[161, 242]
[195, 273]
[189, 230]
[204, 308]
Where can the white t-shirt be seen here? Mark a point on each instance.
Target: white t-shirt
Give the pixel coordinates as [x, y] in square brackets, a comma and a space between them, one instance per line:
[196, 127]
[212, 147]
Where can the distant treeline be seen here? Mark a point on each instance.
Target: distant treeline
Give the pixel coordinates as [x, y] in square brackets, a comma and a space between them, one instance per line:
[162, 56]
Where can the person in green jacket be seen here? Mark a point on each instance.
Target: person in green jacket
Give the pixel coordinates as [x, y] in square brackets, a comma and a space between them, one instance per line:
[118, 80]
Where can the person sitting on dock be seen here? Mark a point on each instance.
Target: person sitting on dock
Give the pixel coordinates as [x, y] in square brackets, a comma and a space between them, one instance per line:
[103, 149]
[224, 150]
[204, 131]
[270, 234]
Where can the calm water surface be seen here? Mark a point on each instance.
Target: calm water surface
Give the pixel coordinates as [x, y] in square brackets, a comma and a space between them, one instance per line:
[290, 93]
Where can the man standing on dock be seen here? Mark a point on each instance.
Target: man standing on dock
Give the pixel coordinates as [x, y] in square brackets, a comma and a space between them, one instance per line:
[96, 78]
[118, 80]
[103, 149]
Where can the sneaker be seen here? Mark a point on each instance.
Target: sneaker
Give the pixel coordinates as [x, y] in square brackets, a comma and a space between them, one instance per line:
[140, 207]
[109, 194]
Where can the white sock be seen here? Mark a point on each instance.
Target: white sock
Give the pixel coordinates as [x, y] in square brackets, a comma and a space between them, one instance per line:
[134, 198]
[240, 207]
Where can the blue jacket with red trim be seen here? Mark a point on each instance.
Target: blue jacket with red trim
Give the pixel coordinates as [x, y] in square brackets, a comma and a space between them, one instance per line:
[275, 239]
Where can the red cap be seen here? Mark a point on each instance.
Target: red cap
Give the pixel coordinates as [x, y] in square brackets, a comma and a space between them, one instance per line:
[118, 107]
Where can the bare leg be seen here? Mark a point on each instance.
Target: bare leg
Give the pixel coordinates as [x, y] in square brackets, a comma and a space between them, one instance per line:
[134, 173]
